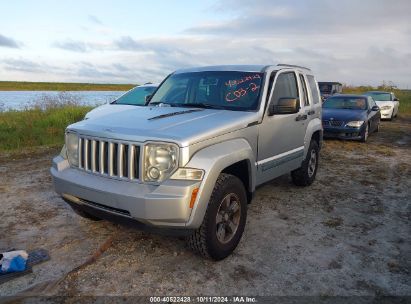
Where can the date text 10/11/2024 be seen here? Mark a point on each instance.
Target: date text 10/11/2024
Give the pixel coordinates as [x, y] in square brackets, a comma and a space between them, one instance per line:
[203, 299]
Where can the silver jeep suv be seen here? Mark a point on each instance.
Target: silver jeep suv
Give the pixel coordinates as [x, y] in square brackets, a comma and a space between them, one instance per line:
[190, 161]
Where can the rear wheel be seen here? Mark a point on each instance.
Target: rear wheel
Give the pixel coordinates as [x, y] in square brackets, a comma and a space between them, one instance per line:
[305, 175]
[224, 221]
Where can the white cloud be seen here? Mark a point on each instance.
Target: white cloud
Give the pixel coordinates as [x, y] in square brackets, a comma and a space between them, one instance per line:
[8, 42]
[355, 42]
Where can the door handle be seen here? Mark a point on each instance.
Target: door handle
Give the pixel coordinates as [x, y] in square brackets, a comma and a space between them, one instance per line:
[301, 117]
[311, 112]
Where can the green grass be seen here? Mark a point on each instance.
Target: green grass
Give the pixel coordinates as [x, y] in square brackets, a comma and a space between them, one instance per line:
[37, 127]
[403, 95]
[61, 86]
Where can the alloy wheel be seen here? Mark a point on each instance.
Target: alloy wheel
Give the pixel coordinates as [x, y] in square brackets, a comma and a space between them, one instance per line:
[312, 163]
[228, 218]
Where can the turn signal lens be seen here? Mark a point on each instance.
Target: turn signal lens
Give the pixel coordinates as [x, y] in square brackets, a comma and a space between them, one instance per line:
[193, 197]
[188, 174]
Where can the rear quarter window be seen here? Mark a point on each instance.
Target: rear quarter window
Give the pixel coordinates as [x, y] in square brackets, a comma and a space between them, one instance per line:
[313, 88]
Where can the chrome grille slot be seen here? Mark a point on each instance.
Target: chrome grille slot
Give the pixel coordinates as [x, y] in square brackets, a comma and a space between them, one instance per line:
[109, 158]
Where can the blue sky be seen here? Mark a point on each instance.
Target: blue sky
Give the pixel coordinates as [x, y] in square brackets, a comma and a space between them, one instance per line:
[356, 42]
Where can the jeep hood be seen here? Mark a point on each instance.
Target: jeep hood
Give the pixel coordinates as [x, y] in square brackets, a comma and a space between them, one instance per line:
[184, 126]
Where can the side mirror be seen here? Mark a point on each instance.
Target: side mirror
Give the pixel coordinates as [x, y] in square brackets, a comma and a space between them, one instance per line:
[396, 99]
[375, 108]
[286, 105]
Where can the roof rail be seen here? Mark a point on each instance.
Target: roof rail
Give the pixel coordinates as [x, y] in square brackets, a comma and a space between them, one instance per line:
[292, 66]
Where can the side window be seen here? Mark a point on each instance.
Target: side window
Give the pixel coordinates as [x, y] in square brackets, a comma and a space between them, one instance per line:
[305, 99]
[369, 103]
[285, 86]
[313, 87]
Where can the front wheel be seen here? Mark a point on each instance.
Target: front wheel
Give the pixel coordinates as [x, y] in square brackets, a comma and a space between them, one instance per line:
[305, 175]
[364, 137]
[224, 221]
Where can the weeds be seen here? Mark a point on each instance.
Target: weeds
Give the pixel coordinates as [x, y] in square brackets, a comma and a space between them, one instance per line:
[42, 123]
[334, 222]
[61, 86]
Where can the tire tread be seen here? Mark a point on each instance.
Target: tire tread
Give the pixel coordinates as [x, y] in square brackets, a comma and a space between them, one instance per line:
[197, 241]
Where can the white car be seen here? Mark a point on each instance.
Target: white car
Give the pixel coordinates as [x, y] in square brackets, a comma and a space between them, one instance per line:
[387, 102]
[135, 97]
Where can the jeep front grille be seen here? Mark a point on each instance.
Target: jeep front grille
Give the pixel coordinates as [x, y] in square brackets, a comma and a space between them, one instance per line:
[109, 158]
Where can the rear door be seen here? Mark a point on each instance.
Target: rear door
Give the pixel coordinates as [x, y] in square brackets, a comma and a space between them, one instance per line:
[306, 100]
[316, 104]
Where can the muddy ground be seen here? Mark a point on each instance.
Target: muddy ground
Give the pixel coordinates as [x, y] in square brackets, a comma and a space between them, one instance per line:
[347, 234]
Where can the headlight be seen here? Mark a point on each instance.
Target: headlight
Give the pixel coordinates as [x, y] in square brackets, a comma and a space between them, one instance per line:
[386, 108]
[72, 148]
[160, 160]
[63, 152]
[355, 124]
[188, 174]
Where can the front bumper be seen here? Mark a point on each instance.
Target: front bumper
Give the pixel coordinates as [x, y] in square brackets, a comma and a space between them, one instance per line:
[386, 114]
[165, 205]
[343, 133]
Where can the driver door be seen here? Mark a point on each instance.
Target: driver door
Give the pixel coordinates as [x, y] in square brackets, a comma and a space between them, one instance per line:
[281, 136]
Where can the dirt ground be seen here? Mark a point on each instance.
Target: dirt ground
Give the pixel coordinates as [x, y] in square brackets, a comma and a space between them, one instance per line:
[347, 234]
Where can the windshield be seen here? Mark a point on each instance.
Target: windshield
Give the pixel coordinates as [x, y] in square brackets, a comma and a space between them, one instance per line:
[379, 96]
[136, 96]
[325, 88]
[351, 103]
[223, 90]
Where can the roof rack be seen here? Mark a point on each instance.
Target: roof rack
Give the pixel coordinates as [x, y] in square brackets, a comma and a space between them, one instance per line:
[292, 66]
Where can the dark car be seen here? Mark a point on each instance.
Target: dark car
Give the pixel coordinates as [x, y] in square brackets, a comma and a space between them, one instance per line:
[329, 88]
[350, 117]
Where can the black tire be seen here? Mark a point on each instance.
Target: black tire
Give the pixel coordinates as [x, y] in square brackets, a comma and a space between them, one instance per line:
[205, 240]
[365, 134]
[377, 129]
[305, 175]
[85, 214]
